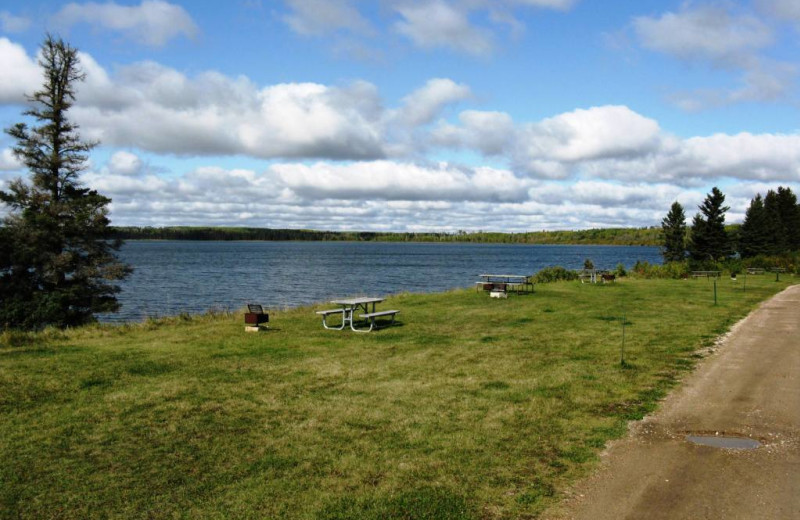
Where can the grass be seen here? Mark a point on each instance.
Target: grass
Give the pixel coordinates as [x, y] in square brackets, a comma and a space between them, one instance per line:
[470, 408]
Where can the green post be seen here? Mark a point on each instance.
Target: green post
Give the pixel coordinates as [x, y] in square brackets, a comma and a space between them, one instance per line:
[622, 350]
[745, 282]
[715, 291]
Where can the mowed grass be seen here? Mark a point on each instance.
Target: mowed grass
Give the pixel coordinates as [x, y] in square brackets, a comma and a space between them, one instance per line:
[470, 408]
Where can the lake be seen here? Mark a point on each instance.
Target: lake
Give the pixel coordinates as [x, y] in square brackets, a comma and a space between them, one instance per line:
[172, 277]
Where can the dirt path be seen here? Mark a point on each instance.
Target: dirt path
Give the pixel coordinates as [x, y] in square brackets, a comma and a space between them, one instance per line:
[749, 387]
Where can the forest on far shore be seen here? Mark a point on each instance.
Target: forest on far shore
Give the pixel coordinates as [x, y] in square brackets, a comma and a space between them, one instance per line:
[646, 236]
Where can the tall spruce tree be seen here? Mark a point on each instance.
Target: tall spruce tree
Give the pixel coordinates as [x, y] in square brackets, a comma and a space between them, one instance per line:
[58, 265]
[774, 231]
[673, 226]
[789, 213]
[754, 233]
[708, 239]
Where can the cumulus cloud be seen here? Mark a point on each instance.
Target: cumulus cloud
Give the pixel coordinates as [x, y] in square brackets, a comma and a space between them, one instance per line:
[153, 22]
[424, 104]
[13, 24]
[159, 109]
[319, 17]
[703, 32]
[9, 161]
[19, 74]
[785, 10]
[489, 132]
[439, 24]
[125, 163]
[428, 24]
[382, 195]
[717, 35]
[388, 180]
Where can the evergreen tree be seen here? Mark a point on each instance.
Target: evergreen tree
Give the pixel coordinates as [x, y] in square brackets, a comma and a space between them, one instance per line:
[709, 240]
[57, 266]
[789, 213]
[754, 233]
[673, 227]
[774, 230]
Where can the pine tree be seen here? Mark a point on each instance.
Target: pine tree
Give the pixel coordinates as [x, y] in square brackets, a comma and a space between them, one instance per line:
[58, 266]
[673, 227]
[709, 240]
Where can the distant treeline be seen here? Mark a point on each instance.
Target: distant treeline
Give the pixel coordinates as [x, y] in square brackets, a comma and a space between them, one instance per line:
[649, 236]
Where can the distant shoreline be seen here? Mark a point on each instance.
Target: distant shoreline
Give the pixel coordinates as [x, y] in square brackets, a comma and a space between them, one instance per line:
[647, 236]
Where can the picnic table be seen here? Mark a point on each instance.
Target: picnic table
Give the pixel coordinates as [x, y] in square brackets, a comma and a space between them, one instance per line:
[593, 275]
[504, 282]
[350, 306]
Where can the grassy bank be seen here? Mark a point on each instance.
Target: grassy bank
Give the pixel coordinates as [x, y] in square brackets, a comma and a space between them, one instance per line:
[470, 408]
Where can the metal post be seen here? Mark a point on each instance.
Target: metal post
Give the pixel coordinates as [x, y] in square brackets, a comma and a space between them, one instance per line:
[745, 281]
[715, 291]
[622, 350]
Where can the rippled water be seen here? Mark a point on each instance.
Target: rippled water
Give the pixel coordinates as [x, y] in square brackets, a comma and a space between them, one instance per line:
[172, 277]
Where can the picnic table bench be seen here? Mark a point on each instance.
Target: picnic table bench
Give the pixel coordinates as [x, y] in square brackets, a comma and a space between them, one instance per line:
[706, 274]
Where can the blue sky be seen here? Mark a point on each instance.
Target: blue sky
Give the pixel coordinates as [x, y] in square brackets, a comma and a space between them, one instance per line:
[507, 115]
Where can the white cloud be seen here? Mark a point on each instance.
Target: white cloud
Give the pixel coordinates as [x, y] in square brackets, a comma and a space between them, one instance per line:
[424, 104]
[586, 134]
[9, 161]
[153, 22]
[703, 32]
[382, 195]
[159, 109]
[125, 163]
[428, 24]
[492, 133]
[387, 180]
[13, 24]
[319, 17]
[562, 5]
[717, 35]
[19, 74]
[785, 10]
[439, 24]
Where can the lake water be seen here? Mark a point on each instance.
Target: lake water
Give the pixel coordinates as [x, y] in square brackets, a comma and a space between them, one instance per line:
[172, 277]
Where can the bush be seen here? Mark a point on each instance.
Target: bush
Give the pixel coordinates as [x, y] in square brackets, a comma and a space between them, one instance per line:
[668, 270]
[620, 271]
[554, 274]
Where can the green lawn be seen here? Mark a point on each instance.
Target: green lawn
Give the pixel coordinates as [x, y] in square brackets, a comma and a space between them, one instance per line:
[470, 408]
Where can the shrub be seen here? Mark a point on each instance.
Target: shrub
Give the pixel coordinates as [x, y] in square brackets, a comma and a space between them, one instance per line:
[620, 271]
[668, 270]
[554, 274]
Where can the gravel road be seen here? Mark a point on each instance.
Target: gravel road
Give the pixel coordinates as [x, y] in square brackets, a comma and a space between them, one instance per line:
[749, 387]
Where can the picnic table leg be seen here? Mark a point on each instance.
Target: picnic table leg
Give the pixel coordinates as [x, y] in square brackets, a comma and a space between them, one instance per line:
[325, 322]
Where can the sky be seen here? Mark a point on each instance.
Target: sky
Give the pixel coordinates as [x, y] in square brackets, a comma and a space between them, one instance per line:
[423, 115]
